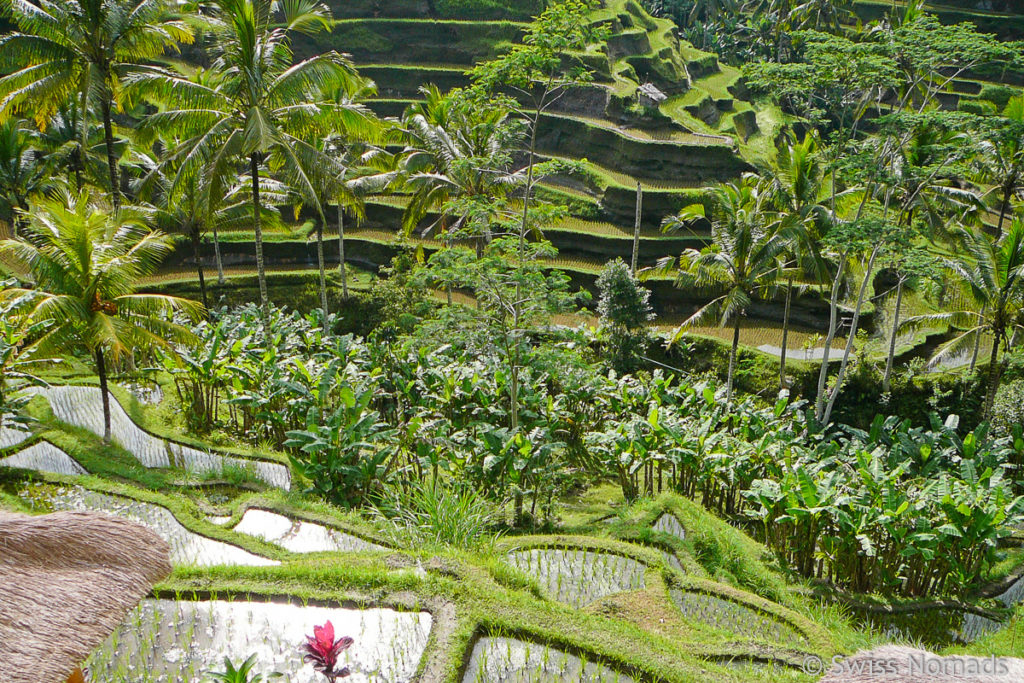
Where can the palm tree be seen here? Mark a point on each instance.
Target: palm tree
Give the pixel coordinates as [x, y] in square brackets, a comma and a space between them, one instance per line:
[73, 146]
[456, 163]
[264, 111]
[21, 172]
[992, 272]
[80, 51]
[741, 261]
[84, 264]
[797, 189]
[1002, 159]
[359, 165]
[709, 10]
[362, 169]
[190, 210]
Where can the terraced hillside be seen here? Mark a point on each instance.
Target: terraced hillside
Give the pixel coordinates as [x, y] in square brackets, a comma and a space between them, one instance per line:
[702, 134]
[406, 45]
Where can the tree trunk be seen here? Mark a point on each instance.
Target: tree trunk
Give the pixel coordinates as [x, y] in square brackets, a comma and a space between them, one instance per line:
[892, 339]
[993, 374]
[819, 404]
[101, 370]
[1002, 211]
[320, 264]
[341, 250]
[261, 273]
[977, 342]
[108, 137]
[216, 256]
[785, 334]
[636, 227]
[517, 304]
[834, 394]
[199, 266]
[732, 360]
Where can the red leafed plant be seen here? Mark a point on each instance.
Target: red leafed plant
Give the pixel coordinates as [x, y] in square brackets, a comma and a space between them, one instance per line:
[323, 650]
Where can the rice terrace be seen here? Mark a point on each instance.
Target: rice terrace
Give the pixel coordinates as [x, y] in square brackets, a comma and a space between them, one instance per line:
[479, 341]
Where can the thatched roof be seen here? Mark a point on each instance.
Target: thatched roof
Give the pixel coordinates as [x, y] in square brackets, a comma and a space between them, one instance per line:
[66, 581]
[896, 664]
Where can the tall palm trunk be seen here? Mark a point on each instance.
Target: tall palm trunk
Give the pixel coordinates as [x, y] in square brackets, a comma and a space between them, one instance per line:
[261, 272]
[194, 234]
[108, 138]
[320, 263]
[341, 250]
[892, 339]
[977, 341]
[101, 370]
[217, 257]
[1007, 193]
[993, 373]
[785, 334]
[732, 359]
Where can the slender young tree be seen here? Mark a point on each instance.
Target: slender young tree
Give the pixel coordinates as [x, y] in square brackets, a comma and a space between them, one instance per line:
[84, 264]
[538, 71]
[79, 52]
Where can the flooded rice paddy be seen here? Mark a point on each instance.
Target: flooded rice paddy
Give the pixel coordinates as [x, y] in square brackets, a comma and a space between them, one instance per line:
[167, 641]
[299, 536]
[509, 660]
[578, 577]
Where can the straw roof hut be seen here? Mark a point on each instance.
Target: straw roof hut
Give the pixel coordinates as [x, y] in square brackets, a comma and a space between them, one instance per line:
[896, 664]
[66, 581]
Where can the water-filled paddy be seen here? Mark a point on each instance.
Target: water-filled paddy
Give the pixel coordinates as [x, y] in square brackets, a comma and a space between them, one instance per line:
[510, 660]
[728, 615]
[578, 577]
[186, 547]
[83, 407]
[178, 641]
[299, 536]
[43, 457]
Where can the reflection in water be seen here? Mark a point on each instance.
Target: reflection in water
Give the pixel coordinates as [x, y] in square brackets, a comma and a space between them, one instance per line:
[44, 457]
[83, 407]
[186, 547]
[731, 616]
[515, 661]
[298, 536]
[578, 577]
[171, 641]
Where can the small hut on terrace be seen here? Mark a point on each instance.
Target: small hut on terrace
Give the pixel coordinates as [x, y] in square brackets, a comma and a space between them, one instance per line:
[66, 581]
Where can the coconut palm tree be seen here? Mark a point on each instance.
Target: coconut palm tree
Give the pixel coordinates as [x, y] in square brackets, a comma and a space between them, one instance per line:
[360, 167]
[22, 175]
[83, 264]
[67, 52]
[798, 191]
[188, 208]
[456, 151]
[74, 147]
[1002, 160]
[742, 260]
[992, 273]
[264, 111]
